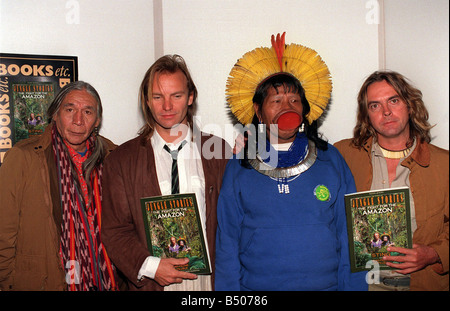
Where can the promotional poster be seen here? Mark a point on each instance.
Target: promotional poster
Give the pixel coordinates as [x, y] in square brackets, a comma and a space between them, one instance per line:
[28, 84]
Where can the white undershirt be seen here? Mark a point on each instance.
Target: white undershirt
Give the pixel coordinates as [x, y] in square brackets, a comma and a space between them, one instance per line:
[192, 180]
[282, 147]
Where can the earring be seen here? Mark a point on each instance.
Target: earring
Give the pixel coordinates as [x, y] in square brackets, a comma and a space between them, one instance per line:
[301, 129]
[96, 131]
[261, 127]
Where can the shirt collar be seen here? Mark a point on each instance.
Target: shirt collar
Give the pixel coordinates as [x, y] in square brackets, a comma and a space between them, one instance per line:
[76, 156]
[376, 149]
[158, 142]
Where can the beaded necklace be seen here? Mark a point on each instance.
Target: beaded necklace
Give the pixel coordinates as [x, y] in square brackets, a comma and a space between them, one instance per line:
[300, 157]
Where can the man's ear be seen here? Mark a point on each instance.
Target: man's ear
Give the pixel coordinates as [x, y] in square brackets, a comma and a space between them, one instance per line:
[191, 98]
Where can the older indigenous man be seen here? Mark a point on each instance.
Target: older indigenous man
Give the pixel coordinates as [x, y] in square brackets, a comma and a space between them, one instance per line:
[50, 189]
[391, 148]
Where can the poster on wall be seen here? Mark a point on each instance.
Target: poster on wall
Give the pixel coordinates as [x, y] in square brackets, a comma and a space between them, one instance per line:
[28, 84]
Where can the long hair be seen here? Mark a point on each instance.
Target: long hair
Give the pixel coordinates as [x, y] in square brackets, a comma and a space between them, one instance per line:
[418, 114]
[98, 154]
[165, 64]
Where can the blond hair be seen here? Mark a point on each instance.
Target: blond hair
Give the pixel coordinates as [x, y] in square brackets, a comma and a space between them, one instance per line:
[170, 64]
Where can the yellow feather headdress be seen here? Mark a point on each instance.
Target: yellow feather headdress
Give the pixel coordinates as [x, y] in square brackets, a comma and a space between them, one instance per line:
[261, 63]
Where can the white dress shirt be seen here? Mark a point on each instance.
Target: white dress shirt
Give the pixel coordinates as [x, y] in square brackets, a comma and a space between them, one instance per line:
[192, 180]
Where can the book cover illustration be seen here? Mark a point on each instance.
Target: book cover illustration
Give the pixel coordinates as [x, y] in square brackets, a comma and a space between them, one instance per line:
[174, 230]
[376, 220]
[31, 101]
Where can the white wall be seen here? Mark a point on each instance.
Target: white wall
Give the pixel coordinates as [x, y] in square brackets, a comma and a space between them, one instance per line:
[417, 45]
[115, 43]
[212, 35]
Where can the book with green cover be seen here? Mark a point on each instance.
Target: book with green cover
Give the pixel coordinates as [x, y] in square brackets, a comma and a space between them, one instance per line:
[174, 230]
[31, 101]
[376, 220]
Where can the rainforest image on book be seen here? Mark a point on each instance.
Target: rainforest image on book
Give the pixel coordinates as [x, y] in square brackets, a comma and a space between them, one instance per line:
[174, 230]
[376, 220]
[31, 101]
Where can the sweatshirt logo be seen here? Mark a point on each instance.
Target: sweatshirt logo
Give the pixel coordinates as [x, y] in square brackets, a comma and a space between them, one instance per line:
[322, 193]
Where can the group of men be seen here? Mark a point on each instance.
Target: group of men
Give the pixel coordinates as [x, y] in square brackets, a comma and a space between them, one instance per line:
[71, 218]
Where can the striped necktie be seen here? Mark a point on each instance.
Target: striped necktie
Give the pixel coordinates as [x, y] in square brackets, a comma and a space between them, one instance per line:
[174, 154]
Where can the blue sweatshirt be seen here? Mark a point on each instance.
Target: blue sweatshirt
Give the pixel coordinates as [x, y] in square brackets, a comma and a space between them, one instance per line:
[267, 240]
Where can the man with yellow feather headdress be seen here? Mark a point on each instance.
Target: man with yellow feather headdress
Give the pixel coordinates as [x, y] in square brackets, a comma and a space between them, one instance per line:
[281, 214]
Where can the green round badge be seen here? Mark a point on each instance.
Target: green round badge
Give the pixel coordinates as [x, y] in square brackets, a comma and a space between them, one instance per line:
[322, 193]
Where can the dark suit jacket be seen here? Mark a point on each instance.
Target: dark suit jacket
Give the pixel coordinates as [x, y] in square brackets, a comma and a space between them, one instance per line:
[129, 175]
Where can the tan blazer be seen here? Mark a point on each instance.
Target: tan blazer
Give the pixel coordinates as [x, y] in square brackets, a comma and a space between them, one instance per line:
[30, 217]
[429, 180]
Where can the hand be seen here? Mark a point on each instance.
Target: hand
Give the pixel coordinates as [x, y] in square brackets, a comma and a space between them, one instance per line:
[166, 273]
[413, 260]
[240, 141]
[239, 144]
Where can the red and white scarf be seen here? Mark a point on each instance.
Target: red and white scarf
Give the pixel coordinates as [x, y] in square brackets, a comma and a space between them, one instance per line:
[83, 255]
